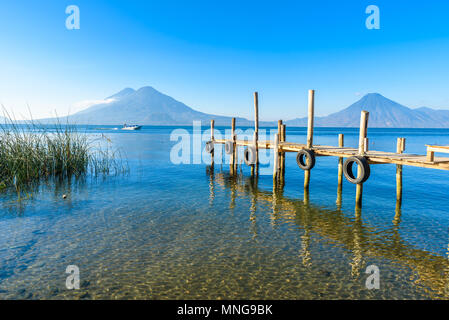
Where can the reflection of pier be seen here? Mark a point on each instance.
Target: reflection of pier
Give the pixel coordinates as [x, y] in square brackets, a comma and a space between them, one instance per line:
[359, 238]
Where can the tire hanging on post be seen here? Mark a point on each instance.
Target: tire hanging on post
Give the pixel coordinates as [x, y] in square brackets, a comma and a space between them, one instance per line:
[249, 155]
[209, 146]
[229, 145]
[363, 165]
[305, 159]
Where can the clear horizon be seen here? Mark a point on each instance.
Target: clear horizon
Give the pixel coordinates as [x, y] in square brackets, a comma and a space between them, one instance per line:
[212, 57]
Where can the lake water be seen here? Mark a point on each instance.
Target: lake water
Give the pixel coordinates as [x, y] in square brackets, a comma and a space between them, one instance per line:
[168, 231]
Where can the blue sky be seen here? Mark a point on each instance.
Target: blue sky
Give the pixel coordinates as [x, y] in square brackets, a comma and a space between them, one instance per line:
[212, 55]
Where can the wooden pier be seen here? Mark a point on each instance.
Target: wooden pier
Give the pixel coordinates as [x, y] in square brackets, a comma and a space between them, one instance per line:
[374, 157]
[308, 151]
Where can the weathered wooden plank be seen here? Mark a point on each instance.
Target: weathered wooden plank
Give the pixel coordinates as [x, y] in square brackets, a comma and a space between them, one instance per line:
[374, 157]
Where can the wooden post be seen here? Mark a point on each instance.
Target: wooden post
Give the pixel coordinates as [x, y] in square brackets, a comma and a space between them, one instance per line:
[341, 144]
[279, 129]
[311, 111]
[284, 138]
[430, 155]
[212, 123]
[306, 187]
[362, 136]
[310, 119]
[306, 179]
[400, 147]
[363, 131]
[365, 145]
[276, 157]
[256, 128]
[281, 154]
[253, 166]
[358, 195]
[233, 160]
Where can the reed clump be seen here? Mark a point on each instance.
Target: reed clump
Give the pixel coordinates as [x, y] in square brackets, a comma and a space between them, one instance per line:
[30, 152]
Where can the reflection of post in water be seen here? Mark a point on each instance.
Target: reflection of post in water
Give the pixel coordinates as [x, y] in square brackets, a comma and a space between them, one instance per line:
[210, 172]
[233, 185]
[395, 235]
[340, 172]
[357, 260]
[253, 207]
[305, 238]
[274, 206]
[446, 274]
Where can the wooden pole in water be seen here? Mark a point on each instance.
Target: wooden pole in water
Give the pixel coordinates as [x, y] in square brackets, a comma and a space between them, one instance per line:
[362, 140]
[212, 123]
[280, 153]
[400, 147]
[236, 154]
[341, 143]
[284, 138]
[279, 129]
[256, 128]
[311, 111]
[276, 157]
[363, 131]
[233, 160]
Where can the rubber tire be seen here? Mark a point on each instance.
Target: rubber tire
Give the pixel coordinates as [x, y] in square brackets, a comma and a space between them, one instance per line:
[209, 146]
[308, 154]
[363, 164]
[228, 147]
[249, 156]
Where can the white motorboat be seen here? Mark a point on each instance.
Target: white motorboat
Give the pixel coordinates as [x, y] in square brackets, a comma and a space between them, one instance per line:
[131, 127]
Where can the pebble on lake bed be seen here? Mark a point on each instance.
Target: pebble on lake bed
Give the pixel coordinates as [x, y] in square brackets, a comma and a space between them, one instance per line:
[64, 196]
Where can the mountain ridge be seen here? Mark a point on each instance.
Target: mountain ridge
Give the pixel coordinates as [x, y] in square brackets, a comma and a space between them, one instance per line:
[384, 113]
[147, 106]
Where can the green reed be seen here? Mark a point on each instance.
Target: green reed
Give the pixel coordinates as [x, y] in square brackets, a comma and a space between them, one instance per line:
[30, 152]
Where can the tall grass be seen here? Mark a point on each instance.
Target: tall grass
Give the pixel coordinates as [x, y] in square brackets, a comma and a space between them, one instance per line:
[30, 152]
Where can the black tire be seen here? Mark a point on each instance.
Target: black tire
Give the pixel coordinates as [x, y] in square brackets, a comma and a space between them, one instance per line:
[305, 159]
[228, 147]
[209, 146]
[249, 156]
[362, 163]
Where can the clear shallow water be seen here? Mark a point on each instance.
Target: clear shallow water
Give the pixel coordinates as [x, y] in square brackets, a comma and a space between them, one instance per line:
[170, 231]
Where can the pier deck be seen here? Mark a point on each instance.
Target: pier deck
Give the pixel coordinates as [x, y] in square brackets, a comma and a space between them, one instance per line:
[374, 157]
